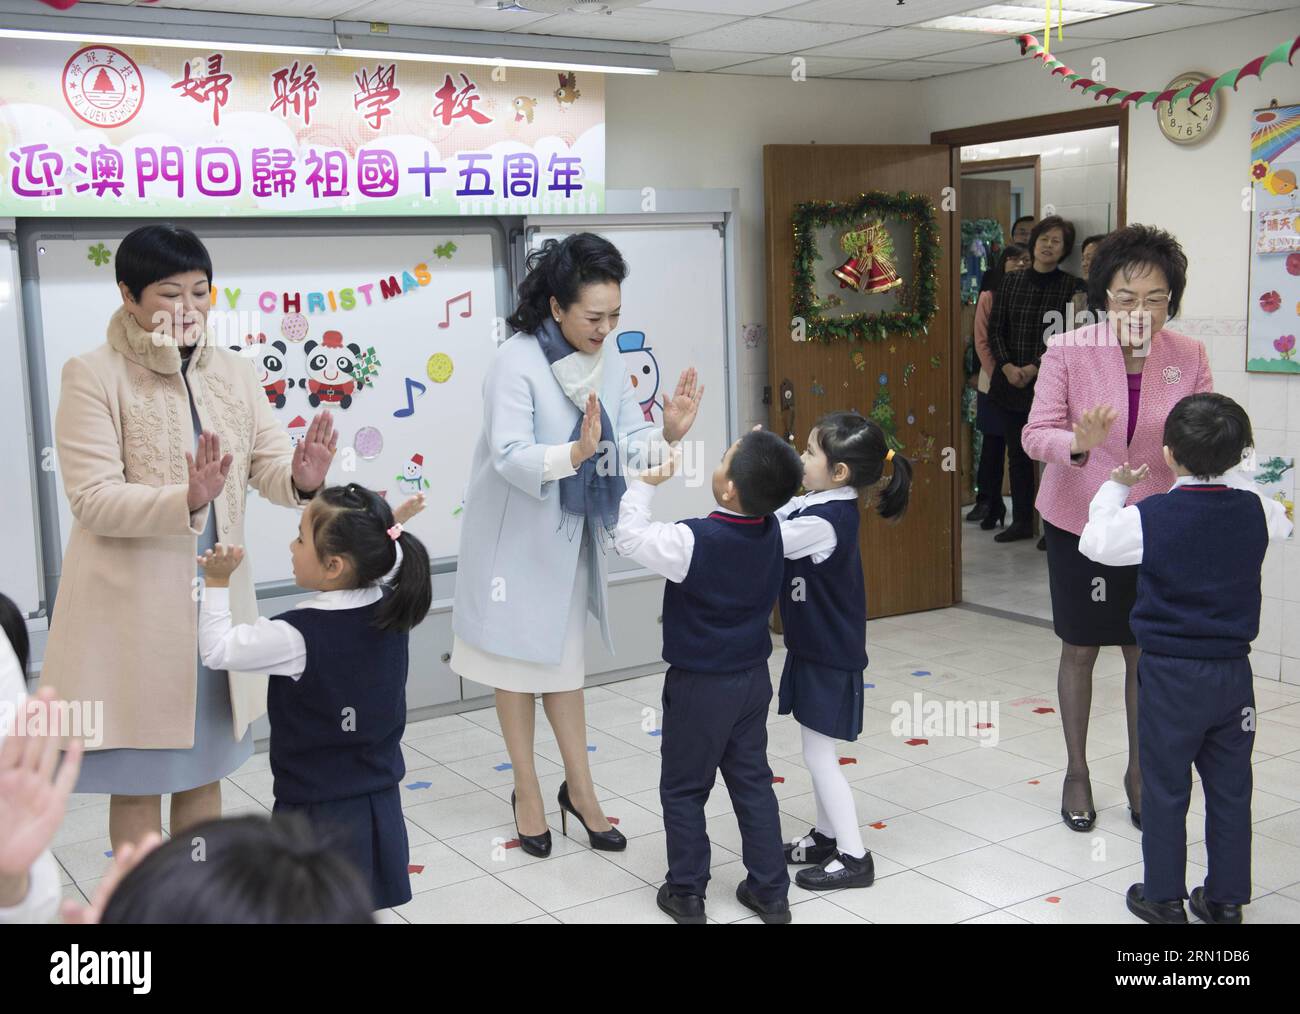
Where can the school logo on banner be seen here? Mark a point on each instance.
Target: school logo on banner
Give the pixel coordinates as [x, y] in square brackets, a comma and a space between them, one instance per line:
[102, 86]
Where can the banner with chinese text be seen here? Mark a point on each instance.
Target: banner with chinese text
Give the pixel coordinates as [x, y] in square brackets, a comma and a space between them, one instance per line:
[99, 130]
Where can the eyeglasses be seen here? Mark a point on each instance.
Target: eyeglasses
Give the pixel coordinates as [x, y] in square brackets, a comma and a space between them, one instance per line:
[1128, 301]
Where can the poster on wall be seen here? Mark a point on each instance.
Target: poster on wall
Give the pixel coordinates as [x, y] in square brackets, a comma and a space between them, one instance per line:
[103, 131]
[1273, 313]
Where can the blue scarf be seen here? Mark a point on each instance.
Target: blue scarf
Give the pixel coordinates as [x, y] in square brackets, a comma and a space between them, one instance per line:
[593, 494]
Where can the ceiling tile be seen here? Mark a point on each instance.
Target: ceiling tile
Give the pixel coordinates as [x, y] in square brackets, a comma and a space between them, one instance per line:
[768, 35]
[1166, 18]
[441, 14]
[911, 70]
[708, 59]
[881, 13]
[903, 44]
[738, 8]
[781, 66]
[293, 9]
[631, 25]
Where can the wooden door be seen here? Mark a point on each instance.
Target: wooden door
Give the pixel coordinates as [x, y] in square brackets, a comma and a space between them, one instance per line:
[987, 199]
[913, 565]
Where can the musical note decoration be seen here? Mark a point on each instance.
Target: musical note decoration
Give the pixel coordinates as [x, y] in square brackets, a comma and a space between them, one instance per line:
[412, 388]
[446, 312]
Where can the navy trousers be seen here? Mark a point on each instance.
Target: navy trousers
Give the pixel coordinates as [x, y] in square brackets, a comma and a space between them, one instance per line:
[1202, 712]
[712, 722]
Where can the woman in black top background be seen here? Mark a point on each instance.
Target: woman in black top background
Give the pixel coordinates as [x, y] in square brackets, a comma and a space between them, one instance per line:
[1022, 314]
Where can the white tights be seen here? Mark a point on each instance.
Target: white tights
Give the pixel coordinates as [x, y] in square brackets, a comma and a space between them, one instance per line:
[837, 817]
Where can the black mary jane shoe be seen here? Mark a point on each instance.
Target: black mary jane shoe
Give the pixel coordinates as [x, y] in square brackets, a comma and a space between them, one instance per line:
[603, 841]
[538, 845]
[979, 512]
[1158, 913]
[822, 849]
[774, 914]
[855, 873]
[1136, 817]
[685, 909]
[1213, 911]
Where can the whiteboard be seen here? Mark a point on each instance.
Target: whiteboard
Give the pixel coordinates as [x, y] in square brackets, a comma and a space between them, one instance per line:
[674, 317]
[433, 334]
[18, 535]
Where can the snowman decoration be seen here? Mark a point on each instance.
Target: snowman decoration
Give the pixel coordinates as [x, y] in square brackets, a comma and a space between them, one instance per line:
[412, 479]
[642, 368]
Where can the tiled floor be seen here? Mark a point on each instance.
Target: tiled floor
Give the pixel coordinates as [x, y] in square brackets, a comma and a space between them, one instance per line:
[960, 831]
[1010, 576]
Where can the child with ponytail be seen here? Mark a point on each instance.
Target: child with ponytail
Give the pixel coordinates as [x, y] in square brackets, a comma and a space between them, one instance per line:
[338, 714]
[824, 616]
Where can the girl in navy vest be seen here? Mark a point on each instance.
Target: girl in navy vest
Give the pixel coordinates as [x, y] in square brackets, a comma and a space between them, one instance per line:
[824, 616]
[337, 718]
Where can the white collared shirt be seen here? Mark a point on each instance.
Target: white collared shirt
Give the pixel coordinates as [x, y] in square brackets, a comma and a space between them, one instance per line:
[1113, 534]
[269, 646]
[664, 547]
[811, 535]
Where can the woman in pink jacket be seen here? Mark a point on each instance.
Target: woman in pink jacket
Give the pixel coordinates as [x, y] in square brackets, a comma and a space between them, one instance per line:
[1103, 393]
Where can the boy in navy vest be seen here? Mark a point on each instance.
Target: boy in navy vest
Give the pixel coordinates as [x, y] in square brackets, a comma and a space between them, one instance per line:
[724, 578]
[1199, 548]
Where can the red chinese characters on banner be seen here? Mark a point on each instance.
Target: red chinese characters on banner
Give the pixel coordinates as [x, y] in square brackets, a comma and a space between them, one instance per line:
[377, 92]
[453, 102]
[213, 85]
[294, 91]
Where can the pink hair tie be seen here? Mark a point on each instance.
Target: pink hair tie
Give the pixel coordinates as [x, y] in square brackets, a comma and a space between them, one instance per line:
[395, 531]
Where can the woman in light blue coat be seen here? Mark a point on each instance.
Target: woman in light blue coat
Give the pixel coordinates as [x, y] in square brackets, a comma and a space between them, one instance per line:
[561, 420]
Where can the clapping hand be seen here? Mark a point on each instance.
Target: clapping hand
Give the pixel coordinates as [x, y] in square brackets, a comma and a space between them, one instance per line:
[219, 563]
[664, 470]
[681, 409]
[1091, 429]
[408, 508]
[589, 440]
[1129, 476]
[313, 455]
[208, 469]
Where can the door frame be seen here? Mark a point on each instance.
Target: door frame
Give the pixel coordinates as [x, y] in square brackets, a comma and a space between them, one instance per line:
[1010, 130]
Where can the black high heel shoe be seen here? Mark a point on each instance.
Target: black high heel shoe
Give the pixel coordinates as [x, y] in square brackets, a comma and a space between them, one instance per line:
[603, 841]
[995, 517]
[1015, 533]
[538, 845]
[1079, 820]
[979, 512]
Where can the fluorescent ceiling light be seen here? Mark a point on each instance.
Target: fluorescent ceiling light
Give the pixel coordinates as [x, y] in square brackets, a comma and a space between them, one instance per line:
[486, 61]
[1019, 16]
[144, 40]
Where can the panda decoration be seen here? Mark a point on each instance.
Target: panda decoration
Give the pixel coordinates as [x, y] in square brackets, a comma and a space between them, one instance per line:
[331, 368]
[268, 361]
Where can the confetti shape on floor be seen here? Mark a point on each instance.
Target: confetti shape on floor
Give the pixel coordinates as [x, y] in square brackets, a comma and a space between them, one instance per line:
[1044, 711]
[778, 780]
[917, 742]
[419, 785]
[502, 767]
[921, 672]
[848, 760]
[1053, 900]
[414, 869]
[879, 825]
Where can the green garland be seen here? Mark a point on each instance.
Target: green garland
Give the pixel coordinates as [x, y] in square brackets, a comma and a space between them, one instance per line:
[812, 215]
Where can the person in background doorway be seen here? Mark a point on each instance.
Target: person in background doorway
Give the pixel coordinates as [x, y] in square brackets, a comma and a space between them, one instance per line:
[1022, 229]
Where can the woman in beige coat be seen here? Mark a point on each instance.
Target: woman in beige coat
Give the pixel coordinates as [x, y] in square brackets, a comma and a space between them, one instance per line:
[159, 435]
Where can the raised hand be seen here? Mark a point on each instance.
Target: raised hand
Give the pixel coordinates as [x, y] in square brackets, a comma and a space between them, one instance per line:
[1091, 429]
[589, 439]
[681, 409]
[664, 470]
[408, 508]
[219, 563]
[33, 799]
[208, 469]
[312, 457]
[1129, 476]
[125, 859]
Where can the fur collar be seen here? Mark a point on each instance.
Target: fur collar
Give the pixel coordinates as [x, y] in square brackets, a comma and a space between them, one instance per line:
[143, 347]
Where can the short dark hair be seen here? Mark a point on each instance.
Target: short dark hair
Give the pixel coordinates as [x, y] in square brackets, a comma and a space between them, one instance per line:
[861, 445]
[15, 629]
[1047, 225]
[1136, 246]
[1207, 434]
[560, 268]
[1097, 238]
[255, 870]
[154, 252]
[1022, 218]
[994, 275]
[766, 470]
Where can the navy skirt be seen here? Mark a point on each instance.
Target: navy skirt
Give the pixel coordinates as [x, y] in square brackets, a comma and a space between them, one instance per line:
[1078, 616]
[823, 699]
[370, 832]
